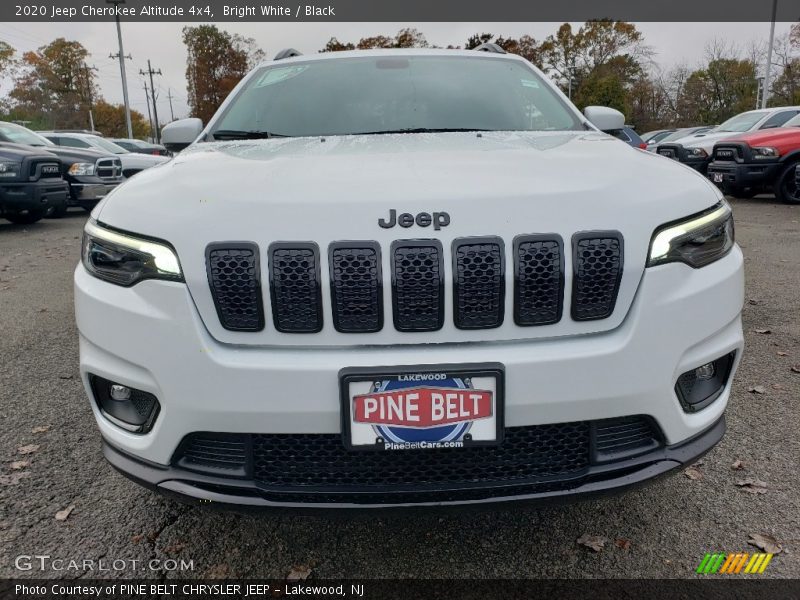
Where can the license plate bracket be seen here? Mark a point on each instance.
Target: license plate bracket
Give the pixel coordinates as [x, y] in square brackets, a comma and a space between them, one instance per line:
[423, 407]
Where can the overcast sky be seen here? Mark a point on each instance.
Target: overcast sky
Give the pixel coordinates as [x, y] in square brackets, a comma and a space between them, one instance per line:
[673, 43]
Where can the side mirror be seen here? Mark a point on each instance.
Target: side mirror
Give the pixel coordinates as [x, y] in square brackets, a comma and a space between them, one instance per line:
[179, 134]
[604, 118]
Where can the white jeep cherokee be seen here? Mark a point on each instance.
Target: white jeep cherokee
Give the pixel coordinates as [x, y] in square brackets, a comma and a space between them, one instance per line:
[407, 277]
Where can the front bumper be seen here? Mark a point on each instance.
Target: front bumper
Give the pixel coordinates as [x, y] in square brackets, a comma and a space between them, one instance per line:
[40, 195]
[730, 176]
[89, 194]
[151, 337]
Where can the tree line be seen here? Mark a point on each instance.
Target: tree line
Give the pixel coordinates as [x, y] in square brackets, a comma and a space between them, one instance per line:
[601, 62]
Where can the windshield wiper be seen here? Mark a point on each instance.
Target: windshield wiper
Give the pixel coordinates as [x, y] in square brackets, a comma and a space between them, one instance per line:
[233, 134]
[422, 130]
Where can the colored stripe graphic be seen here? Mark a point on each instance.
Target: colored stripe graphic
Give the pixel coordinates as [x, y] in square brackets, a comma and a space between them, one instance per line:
[733, 563]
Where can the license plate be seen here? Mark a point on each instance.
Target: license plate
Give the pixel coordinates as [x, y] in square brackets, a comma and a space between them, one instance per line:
[422, 408]
[718, 177]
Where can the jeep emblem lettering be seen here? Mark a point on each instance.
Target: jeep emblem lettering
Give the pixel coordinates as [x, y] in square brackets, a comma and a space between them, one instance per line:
[423, 219]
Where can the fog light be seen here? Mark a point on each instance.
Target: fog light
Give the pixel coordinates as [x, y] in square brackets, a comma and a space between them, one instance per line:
[702, 373]
[133, 410]
[120, 393]
[699, 387]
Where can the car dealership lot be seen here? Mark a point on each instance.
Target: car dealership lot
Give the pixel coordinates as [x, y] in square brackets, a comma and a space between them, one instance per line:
[661, 530]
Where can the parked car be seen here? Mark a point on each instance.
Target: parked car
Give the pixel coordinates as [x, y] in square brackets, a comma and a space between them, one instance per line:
[141, 147]
[30, 183]
[762, 161]
[695, 150]
[132, 162]
[655, 135]
[678, 134]
[368, 283]
[629, 136]
[90, 174]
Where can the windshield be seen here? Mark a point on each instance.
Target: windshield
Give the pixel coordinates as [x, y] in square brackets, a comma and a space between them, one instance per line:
[659, 137]
[681, 133]
[108, 146]
[395, 93]
[742, 122]
[16, 134]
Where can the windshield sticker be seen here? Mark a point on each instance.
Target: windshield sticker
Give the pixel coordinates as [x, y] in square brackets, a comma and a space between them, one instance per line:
[531, 83]
[273, 76]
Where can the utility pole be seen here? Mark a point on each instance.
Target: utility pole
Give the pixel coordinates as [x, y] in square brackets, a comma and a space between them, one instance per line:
[169, 95]
[121, 55]
[86, 70]
[151, 72]
[149, 116]
[765, 93]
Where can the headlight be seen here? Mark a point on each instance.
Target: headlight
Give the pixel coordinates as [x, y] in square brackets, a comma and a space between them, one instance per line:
[10, 169]
[696, 153]
[696, 241]
[765, 152]
[125, 260]
[78, 169]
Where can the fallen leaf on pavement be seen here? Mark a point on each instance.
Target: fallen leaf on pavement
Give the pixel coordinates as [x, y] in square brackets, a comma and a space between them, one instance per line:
[174, 548]
[763, 331]
[622, 543]
[41, 429]
[29, 449]
[765, 542]
[796, 369]
[65, 376]
[737, 465]
[693, 474]
[62, 515]
[757, 389]
[782, 353]
[752, 485]
[137, 538]
[298, 573]
[595, 542]
[777, 386]
[16, 465]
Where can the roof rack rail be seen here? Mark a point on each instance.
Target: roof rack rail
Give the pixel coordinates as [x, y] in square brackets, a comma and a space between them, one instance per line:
[490, 47]
[287, 53]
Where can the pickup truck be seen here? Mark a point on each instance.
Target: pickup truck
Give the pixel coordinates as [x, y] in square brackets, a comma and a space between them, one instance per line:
[762, 161]
[30, 184]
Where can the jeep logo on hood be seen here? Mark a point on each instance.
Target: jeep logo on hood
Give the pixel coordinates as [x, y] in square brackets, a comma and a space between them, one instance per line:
[423, 219]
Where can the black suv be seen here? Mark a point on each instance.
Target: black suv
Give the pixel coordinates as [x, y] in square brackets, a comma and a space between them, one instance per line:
[30, 183]
[90, 174]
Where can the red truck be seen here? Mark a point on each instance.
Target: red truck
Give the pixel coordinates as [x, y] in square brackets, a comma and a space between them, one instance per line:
[758, 162]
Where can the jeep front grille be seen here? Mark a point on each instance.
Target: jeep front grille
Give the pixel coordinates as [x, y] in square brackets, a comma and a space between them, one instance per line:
[419, 294]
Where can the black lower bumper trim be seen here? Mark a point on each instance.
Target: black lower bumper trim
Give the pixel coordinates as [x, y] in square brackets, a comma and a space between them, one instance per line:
[221, 492]
[736, 176]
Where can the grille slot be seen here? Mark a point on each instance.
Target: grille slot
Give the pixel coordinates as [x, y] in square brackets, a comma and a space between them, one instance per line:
[215, 451]
[109, 168]
[295, 287]
[417, 285]
[597, 270]
[233, 274]
[538, 279]
[356, 286]
[624, 437]
[478, 283]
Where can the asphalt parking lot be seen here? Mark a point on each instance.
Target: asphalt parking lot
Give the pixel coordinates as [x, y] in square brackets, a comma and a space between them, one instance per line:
[661, 530]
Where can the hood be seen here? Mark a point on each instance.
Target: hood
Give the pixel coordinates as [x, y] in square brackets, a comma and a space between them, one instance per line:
[337, 188]
[73, 155]
[766, 137]
[705, 141]
[9, 151]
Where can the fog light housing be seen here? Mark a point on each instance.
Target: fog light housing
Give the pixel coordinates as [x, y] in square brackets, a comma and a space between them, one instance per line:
[131, 409]
[699, 387]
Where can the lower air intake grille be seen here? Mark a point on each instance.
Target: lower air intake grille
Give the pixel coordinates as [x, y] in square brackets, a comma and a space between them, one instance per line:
[597, 270]
[539, 279]
[233, 274]
[478, 283]
[214, 451]
[295, 287]
[356, 289]
[624, 436]
[417, 285]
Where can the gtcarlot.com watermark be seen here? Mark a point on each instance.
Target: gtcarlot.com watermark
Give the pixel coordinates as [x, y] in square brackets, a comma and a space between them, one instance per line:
[45, 562]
